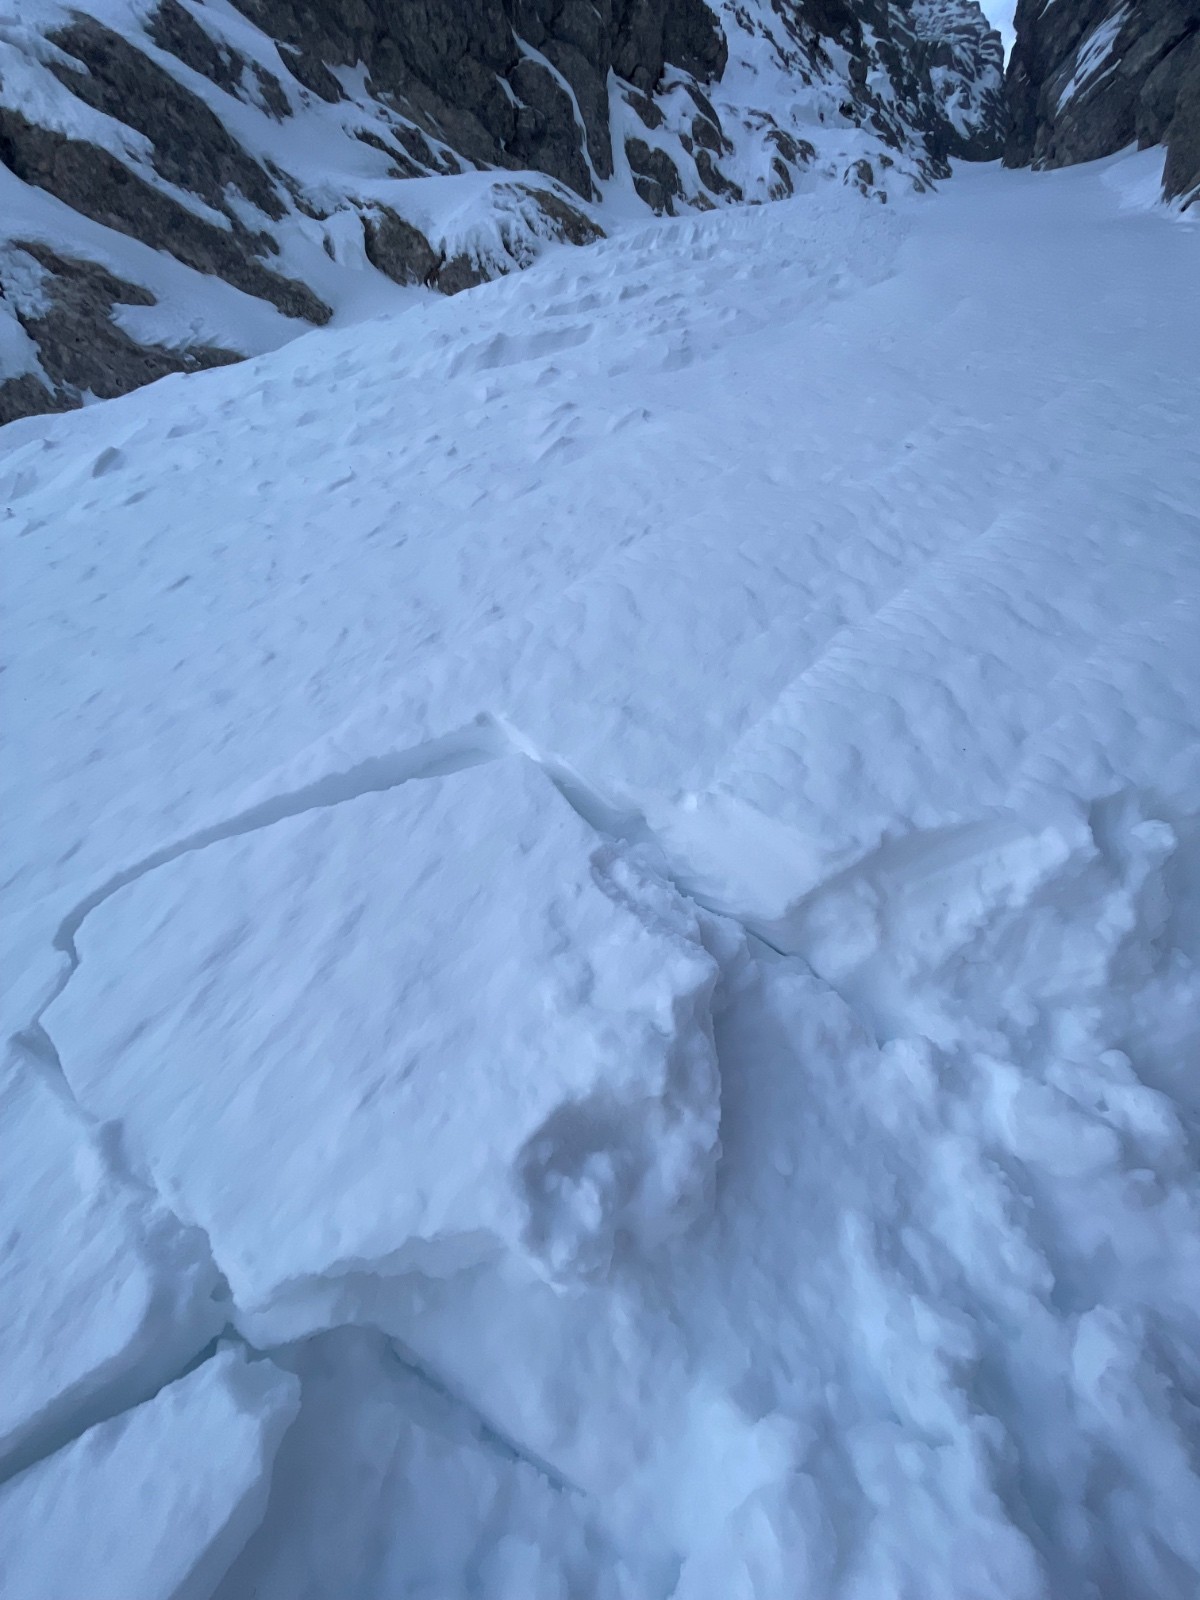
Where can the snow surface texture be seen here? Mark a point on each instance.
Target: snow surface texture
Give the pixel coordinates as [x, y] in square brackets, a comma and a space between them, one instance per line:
[153, 1504]
[754, 658]
[263, 203]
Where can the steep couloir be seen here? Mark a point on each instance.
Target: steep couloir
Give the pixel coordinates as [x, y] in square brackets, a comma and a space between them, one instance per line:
[1088, 77]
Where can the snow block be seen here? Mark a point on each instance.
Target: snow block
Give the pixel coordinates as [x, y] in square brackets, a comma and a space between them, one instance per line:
[404, 1033]
[385, 1486]
[105, 1295]
[154, 1504]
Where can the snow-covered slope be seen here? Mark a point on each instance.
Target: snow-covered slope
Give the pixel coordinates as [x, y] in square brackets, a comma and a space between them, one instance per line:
[610, 890]
[185, 182]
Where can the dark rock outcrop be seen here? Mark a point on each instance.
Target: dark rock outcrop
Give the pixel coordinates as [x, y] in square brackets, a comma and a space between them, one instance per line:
[176, 31]
[403, 253]
[655, 175]
[97, 184]
[81, 350]
[1088, 77]
[962, 59]
[924, 70]
[400, 251]
[192, 148]
[501, 81]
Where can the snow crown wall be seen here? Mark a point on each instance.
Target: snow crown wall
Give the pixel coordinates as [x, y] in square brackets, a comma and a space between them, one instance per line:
[184, 183]
[1088, 77]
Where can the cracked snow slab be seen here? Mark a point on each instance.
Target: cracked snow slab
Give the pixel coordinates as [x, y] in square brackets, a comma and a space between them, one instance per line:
[106, 1296]
[374, 1446]
[156, 1503]
[407, 1032]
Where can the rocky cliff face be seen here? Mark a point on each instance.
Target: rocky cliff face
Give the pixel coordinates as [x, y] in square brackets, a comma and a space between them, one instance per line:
[1088, 77]
[184, 183]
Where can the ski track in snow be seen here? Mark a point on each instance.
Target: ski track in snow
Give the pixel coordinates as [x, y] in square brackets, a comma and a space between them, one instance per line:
[839, 568]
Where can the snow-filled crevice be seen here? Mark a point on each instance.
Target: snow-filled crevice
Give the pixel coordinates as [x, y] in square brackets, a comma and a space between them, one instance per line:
[548, 67]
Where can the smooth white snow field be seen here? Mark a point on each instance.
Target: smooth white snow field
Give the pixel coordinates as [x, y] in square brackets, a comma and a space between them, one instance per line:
[602, 930]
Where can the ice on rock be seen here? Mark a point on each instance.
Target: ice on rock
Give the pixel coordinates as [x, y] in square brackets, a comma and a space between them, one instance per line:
[404, 1033]
[105, 1295]
[156, 1503]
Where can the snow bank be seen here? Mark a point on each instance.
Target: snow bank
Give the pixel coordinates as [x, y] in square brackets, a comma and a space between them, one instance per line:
[155, 1503]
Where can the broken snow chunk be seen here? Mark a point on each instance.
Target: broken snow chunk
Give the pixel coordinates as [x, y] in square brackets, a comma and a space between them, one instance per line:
[388, 1486]
[105, 1295]
[153, 1504]
[405, 1032]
